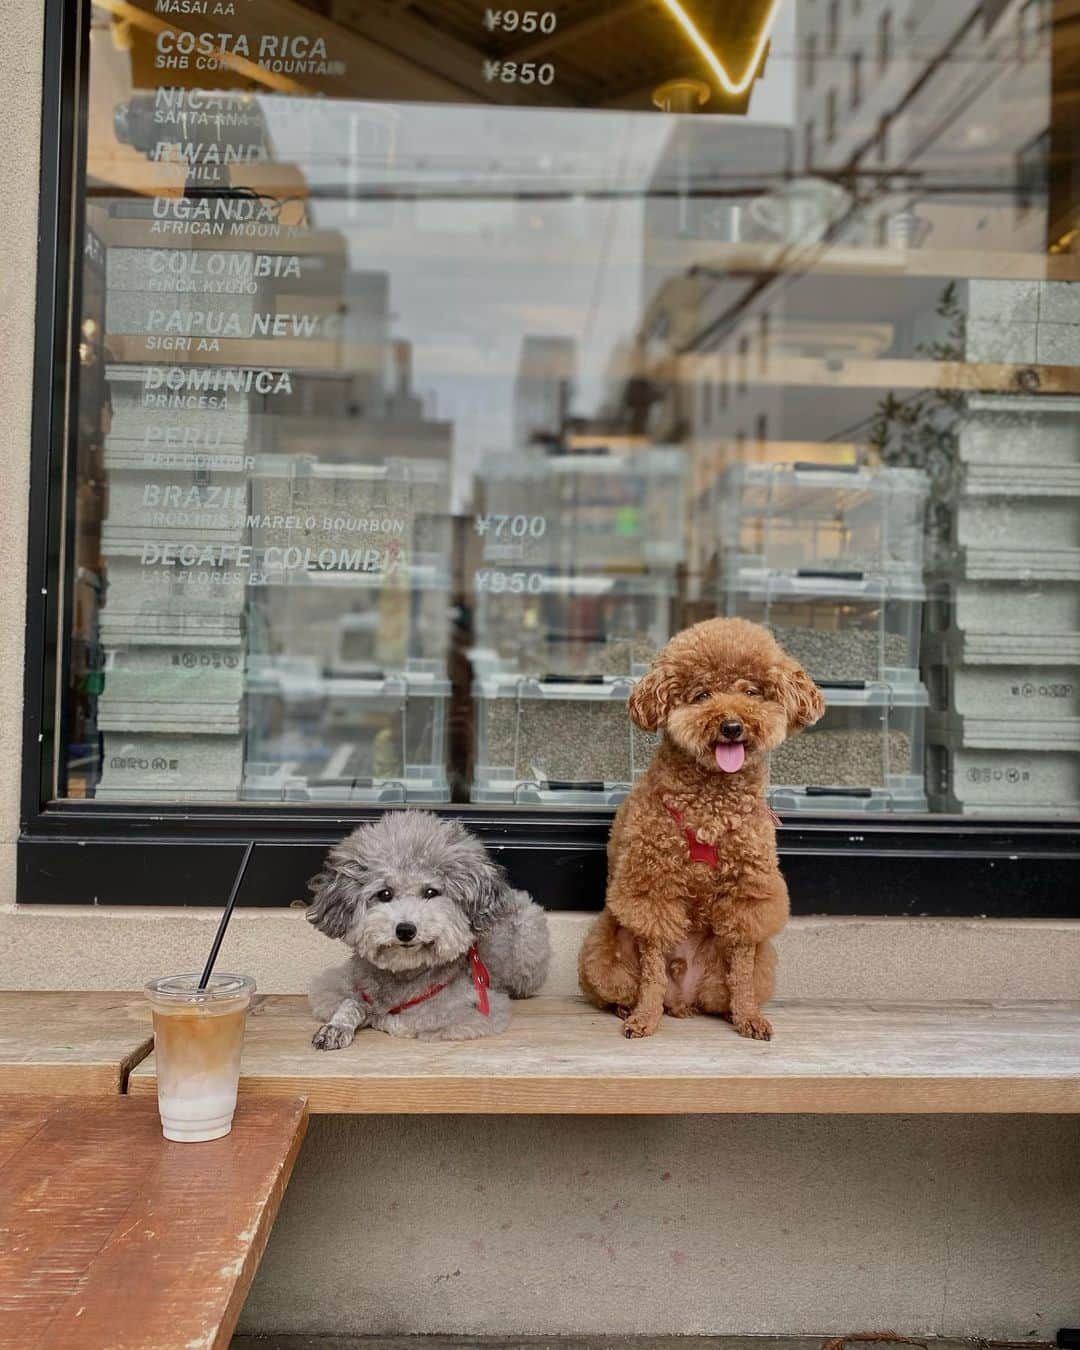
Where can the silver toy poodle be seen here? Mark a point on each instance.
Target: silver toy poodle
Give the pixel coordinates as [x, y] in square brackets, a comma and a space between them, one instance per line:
[440, 941]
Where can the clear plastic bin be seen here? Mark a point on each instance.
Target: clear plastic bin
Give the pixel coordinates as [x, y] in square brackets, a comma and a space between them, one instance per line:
[569, 625]
[1008, 622]
[313, 738]
[838, 625]
[1000, 705]
[583, 512]
[871, 737]
[196, 503]
[1044, 715]
[170, 767]
[171, 407]
[149, 599]
[846, 801]
[347, 517]
[556, 741]
[355, 623]
[1012, 524]
[159, 688]
[1011, 783]
[1012, 429]
[784, 517]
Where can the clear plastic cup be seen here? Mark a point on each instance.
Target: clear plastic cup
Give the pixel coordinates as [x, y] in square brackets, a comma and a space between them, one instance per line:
[198, 1035]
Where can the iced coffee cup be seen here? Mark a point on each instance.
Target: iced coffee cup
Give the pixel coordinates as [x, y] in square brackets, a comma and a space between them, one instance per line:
[198, 1034]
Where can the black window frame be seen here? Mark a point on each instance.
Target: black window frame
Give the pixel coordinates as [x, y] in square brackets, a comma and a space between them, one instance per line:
[174, 854]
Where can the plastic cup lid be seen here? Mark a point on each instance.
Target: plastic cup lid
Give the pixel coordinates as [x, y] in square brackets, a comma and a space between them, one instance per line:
[185, 988]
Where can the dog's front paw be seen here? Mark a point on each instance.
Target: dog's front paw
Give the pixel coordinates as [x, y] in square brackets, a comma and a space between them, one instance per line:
[638, 1025]
[756, 1028]
[330, 1037]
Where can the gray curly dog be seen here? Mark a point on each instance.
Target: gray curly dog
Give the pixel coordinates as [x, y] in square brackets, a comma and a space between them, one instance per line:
[440, 940]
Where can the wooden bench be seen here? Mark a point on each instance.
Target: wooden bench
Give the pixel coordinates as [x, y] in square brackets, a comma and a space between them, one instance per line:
[114, 1237]
[563, 1057]
[71, 1043]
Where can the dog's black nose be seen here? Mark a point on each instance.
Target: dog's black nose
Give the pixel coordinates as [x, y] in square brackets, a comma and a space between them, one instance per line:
[731, 730]
[405, 932]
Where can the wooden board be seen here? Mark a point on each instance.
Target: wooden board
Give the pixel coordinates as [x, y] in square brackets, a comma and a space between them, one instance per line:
[114, 1237]
[562, 1056]
[78, 1043]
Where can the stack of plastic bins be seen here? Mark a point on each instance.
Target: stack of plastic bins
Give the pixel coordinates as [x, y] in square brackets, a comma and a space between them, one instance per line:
[556, 741]
[866, 753]
[830, 559]
[171, 624]
[307, 515]
[1003, 641]
[570, 626]
[348, 623]
[584, 513]
[783, 517]
[840, 626]
[572, 601]
[313, 737]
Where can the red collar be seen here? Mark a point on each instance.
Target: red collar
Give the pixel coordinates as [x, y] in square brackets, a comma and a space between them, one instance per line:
[699, 850]
[480, 978]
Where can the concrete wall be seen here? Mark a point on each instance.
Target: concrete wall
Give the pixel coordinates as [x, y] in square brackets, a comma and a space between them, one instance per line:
[959, 1226]
[954, 1225]
[76, 947]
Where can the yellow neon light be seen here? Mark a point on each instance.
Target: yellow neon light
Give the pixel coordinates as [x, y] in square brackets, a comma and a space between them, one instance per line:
[729, 86]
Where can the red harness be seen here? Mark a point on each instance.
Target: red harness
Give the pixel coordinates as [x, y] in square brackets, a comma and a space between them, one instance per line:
[480, 978]
[698, 849]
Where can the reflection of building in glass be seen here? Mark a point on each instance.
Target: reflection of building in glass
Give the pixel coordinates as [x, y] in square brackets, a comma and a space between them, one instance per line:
[544, 388]
[705, 178]
[823, 336]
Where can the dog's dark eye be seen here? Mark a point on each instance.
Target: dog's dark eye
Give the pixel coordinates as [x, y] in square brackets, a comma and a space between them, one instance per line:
[430, 892]
[751, 692]
[384, 895]
[700, 696]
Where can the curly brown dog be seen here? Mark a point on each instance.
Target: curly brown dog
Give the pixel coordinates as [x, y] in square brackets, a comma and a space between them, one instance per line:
[694, 889]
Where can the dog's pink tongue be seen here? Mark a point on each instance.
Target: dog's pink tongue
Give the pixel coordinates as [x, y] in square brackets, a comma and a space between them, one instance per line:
[730, 755]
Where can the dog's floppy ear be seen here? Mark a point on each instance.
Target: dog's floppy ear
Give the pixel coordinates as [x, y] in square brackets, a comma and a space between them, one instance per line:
[333, 900]
[476, 883]
[798, 695]
[650, 699]
[490, 897]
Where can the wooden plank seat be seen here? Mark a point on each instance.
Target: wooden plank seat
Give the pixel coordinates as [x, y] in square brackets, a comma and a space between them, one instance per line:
[71, 1043]
[562, 1056]
[112, 1236]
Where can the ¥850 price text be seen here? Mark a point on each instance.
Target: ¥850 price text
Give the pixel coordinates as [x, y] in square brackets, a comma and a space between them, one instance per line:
[519, 72]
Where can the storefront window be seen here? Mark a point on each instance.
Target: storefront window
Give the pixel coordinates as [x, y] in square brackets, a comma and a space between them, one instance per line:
[435, 363]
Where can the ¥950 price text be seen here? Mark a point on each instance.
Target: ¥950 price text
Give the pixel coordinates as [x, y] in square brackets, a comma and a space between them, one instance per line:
[520, 20]
[509, 583]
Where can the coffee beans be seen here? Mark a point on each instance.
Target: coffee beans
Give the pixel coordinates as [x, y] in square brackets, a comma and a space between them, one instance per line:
[572, 740]
[843, 653]
[542, 655]
[842, 758]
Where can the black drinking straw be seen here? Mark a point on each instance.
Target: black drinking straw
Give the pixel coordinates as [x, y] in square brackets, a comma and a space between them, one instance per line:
[230, 905]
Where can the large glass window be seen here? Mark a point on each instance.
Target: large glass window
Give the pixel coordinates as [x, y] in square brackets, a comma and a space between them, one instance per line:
[437, 361]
